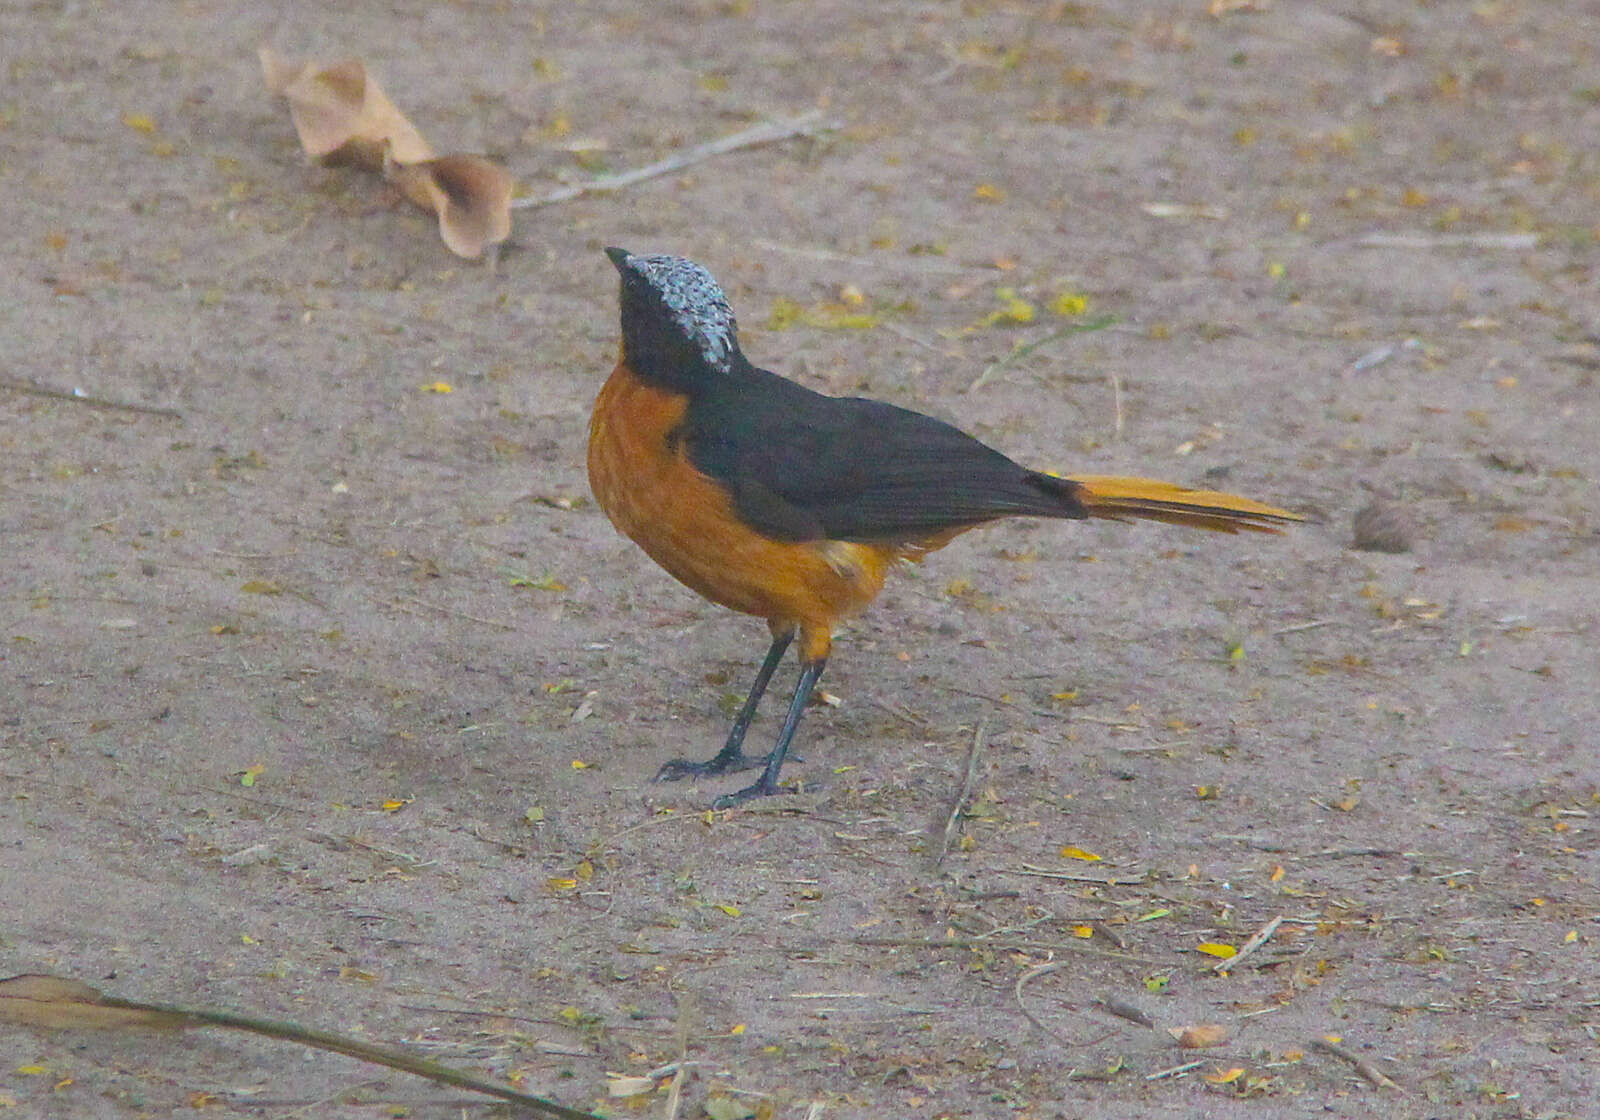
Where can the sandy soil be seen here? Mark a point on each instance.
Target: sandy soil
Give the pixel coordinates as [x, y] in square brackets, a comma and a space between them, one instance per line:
[1350, 251]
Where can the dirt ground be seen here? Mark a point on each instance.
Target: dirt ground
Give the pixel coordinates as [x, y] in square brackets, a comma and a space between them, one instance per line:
[332, 699]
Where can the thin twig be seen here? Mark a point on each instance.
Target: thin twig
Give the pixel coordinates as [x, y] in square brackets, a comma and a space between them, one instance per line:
[1303, 626]
[1127, 1011]
[880, 260]
[1511, 241]
[1116, 403]
[1173, 1071]
[1074, 876]
[1351, 853]
[1001, 943]
[1017, 353]
[77, 397]
[1263, 935]
[675, 1091]
[998, 700]
[354, 1048]
[1022, 1004]
[1369, 1072]
[768, 132]
[966, 791]
[400, 599]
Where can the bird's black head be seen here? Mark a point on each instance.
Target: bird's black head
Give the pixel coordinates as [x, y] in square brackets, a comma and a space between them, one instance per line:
[677, 327]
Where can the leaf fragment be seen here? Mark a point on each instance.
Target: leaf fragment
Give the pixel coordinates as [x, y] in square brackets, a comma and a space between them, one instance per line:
[1071, 852]
[470, 195]
[726, 1108]
[1199, 1036]
[1217, 949]
[339, 111]
[629, 1086]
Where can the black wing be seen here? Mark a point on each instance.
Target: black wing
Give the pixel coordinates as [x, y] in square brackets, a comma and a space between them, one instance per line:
[803, 466]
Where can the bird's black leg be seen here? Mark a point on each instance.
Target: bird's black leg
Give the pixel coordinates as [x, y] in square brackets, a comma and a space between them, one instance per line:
[810, 673]
[732, 757]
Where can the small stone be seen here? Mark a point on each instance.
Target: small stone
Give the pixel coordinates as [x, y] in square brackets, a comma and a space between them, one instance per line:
[1381, 527]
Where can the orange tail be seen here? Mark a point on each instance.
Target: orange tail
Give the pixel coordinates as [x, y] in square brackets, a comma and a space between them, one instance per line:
[1121, 499]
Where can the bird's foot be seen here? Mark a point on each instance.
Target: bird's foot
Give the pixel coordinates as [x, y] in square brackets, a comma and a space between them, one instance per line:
[680, 768]
[750, 793]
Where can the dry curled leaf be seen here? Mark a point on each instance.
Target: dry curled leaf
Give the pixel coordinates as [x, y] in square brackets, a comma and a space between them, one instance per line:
[341, 113]
[56, 1003]
[470, 195]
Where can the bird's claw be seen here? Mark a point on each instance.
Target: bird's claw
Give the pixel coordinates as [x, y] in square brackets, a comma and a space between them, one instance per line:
[681, 768]
[750, 793]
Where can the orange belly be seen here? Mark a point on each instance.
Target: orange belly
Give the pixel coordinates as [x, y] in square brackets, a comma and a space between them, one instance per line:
[686, 522]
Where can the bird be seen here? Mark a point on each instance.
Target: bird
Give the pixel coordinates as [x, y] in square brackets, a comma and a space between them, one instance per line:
[772, 499]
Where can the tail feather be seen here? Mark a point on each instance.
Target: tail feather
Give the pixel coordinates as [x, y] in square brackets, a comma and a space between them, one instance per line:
[1121, 499]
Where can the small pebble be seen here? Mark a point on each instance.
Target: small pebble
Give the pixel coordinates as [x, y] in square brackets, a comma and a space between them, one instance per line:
[1381, 527]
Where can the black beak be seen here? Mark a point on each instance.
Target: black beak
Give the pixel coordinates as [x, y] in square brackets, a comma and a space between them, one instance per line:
[619, 257]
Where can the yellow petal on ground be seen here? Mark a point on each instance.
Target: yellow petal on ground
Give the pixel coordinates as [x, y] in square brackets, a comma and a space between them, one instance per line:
[1070, 852]
[1217, 949]
[437, 387]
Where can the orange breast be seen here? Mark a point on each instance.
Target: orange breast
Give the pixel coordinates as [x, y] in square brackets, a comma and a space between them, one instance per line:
[686, 522]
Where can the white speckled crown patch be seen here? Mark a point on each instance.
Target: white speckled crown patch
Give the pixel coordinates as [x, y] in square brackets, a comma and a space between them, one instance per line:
[696, 303]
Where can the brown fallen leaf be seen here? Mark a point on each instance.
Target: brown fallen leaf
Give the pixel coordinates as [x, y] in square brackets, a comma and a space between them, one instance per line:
[341, 113]
[471, 196]
[56, 1003]
[1199, 1036]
